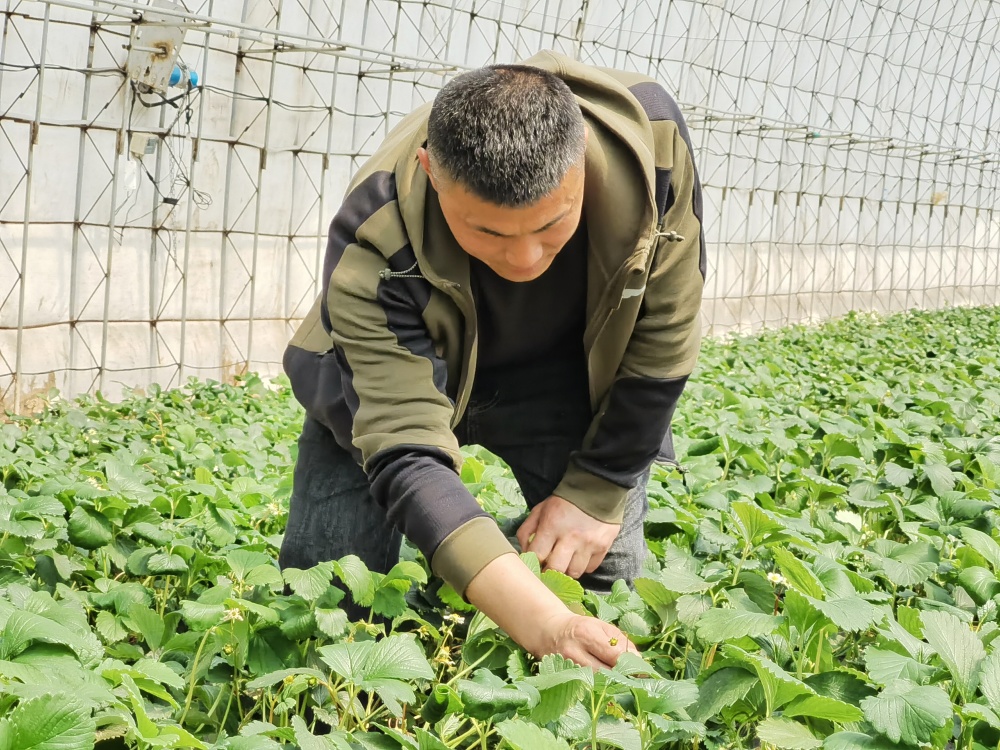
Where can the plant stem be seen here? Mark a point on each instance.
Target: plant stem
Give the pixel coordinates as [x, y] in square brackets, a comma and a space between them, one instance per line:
[225, 716]
[456, 741]
[166, 595]
[736, 573]
[819, 649]
[193, 676]
[473, 665]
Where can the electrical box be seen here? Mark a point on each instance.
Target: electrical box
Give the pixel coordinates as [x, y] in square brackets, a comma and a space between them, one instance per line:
[153, 51]
[142, 144]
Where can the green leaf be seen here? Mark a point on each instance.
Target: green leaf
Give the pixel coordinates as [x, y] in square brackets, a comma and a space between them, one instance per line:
[657, 597]
[164, 563]
[88, 529]
[109, 627]
[159, 672]
[427, 741]
[844, 685]
[981, 712]
[356, 576]
[908, 712]
[821, 707]
[898, 476]
[754, 522]
[390, 598]
[407, 570]
[399, 657]
[331, 622]
[151, 533]
[980, 583]
[336, 740]
[984, 544]
[442, 701]
[23, 628]
[854, 614]
[718, 625]
[858, 741]
[683, 581]
[125, 480]
[907, 573]
[958, 647]
[521, 735]
[558, 691]
[241, 562]
[619, 734]
[255, 742]
[310, 584]
[787, 734]
[148, 623]
[941, 477]
[40, 506]
[567, 589]
[720, 690]
[201, 616]
[393, 693]
[486, 695]
[798, 575]
[675, 731]
[264, 575]
[380, 667]
[779, 686]
[989, 679]
[347, 659]
[53, 721]
[885, 667]
[273, 678]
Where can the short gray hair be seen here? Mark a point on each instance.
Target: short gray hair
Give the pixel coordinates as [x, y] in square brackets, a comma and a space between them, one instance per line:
[507, 133]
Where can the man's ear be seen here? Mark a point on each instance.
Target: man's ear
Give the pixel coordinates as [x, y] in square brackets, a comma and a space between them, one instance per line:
[425, 162]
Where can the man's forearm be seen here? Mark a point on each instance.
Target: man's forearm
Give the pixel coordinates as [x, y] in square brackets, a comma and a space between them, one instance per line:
[515, 599]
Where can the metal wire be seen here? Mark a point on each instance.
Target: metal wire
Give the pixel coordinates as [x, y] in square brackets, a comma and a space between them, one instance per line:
[849, 149]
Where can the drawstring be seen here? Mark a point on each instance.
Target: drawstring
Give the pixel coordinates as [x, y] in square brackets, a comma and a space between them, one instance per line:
[670, 236]
[387, 273]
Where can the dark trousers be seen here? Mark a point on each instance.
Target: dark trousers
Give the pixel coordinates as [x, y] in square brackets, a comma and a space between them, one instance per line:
[532, 419]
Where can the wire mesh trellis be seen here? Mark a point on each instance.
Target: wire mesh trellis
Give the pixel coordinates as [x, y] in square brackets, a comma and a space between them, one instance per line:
[849, 152]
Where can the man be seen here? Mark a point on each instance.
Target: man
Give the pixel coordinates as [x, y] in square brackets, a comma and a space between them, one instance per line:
[520, 266]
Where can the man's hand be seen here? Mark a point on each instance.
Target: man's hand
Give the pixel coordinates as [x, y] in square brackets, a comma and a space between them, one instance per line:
[588, 641]
[565, 538]
[513, 597]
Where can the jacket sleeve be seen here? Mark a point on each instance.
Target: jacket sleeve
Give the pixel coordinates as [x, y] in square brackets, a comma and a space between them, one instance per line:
[632, 427]
[392, 384]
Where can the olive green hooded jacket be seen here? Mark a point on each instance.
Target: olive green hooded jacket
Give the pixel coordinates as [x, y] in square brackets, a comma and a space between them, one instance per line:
[386, 358]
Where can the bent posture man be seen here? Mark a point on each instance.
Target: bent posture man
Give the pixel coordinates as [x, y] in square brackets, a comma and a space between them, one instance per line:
[520, 266]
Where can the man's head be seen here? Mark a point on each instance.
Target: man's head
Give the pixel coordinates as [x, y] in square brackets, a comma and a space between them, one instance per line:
[505, 149]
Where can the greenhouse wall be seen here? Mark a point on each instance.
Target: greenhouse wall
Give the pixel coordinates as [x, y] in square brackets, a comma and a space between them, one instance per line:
[848, 149]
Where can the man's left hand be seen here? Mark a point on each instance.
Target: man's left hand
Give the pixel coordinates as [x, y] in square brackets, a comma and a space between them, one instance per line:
[565, 538]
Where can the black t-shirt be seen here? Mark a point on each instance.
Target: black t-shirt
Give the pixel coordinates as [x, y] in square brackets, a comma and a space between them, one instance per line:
[530, 322]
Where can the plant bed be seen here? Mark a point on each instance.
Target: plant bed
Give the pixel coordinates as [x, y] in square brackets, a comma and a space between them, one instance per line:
[824, 572]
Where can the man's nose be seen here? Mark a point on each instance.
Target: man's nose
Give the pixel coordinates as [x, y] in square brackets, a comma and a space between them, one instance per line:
[524, 254]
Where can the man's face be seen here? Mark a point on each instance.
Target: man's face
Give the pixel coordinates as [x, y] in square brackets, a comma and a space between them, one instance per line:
[518, 244]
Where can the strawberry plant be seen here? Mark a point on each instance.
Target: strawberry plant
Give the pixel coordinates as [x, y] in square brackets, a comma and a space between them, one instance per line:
[824, 572]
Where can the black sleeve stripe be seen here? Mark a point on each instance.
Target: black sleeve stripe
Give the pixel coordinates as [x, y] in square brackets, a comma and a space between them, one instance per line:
[320, 386]
[664, 191]
[422, 495]
[404, 300]
[347, 383]
[659, 105]
[634, 431]
[371, 194]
